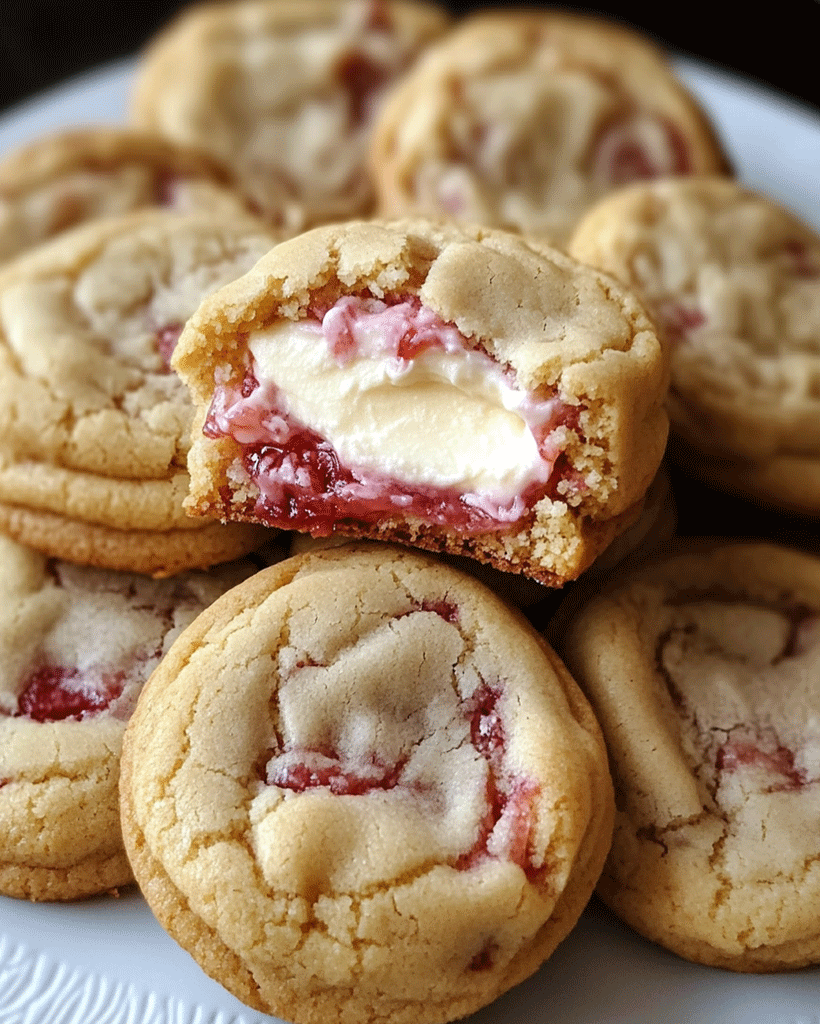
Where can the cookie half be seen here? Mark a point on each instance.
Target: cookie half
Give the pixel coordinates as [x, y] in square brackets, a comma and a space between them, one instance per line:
[77, 644]
[94, 424]
[703, 671]
[523, 119]
[359, 787]
[283, 92]
[62, 180]
[731, 280]
[458, 390]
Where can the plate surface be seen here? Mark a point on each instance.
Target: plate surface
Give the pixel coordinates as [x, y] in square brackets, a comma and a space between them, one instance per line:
[106, 961]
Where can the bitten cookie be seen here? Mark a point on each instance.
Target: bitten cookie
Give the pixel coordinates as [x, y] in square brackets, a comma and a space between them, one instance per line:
[76, 645]
[704, 672]
[59, 181]
[523, 119]
[460, 391]
[733, 283]
[359, 788]
[94, 425]
[284, 92]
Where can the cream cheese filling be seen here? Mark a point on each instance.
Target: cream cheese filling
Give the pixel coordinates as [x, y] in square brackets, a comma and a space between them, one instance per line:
[448, 418]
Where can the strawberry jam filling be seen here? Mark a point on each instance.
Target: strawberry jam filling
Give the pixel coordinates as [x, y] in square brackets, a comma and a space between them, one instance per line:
[679, 320]
[778, 762]
[505, 826]
[166, 341]
[387, 423]
[328, 770]
[111, 631]
[507, 823]
[722, 666]
[505, 820]
[54, 693]
[638, 147]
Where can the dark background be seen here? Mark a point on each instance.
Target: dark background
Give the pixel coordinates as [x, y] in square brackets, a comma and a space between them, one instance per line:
[45, 41]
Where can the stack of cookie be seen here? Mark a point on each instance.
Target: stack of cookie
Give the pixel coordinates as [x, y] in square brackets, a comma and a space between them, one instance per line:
[371, 275]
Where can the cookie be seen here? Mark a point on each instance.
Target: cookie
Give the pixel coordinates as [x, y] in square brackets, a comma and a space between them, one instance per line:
[653, 529]
[65, 179]
[468, 393]
[94, 425]
[731, 279]
[77, 644]
[523, 119]
[359, 787]
[703, 671]
[284, 92]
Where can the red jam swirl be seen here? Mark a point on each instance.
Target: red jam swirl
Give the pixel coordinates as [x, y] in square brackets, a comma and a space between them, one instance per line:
[778, 762]
[621, 156]
[510, 801]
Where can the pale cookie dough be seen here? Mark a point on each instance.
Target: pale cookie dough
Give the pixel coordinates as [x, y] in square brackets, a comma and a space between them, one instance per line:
[94, 424]
[65, 179]
[456, 390]
[76, 645]
[523, 119]
[284, 92]
[733, 283]
[359, 789]
[704, 672]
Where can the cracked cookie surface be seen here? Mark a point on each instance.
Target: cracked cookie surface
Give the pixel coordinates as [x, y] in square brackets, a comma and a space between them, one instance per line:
[523, 119]
[703, 670]
[59, 181]
[284, 92]
[469, 393]
[731, 280]
[94, 425]
[359, 788]
[77, 644]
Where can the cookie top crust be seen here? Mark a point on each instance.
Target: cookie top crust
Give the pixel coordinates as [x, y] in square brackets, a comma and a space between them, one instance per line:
[401, 746]
[87, 326]
[554, 339]
[703, 671]
[76, 644]
[523, 119]
[283, 92]
[65, 179]
[731, 279]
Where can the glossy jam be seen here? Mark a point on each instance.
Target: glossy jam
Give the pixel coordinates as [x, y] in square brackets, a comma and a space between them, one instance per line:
[54, 693]
[340, 779]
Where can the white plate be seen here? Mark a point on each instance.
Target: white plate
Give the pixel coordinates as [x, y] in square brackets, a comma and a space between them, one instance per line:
[106, 961]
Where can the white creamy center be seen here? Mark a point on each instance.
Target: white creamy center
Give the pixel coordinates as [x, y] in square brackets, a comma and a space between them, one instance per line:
[447, 418]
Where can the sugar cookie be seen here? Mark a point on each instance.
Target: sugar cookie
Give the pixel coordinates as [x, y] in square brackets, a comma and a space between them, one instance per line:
[704, 672]
[359, 787]
[94, 425]
[523, 119]
[461, 391]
